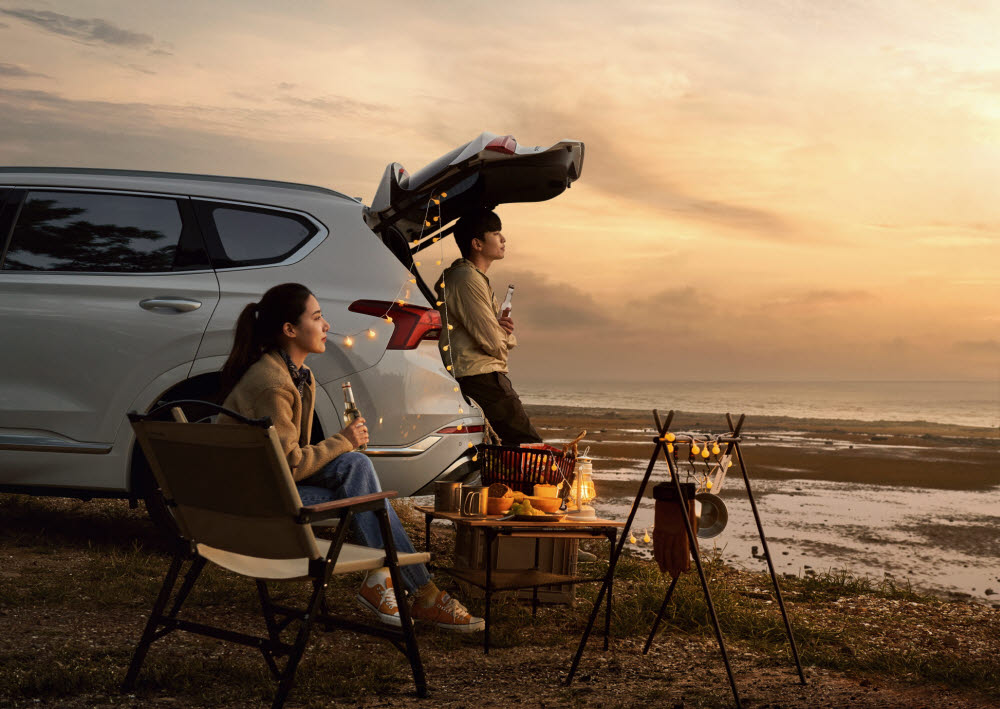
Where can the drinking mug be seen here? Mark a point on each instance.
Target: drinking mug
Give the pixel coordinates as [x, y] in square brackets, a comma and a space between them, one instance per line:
[447, 496]
[474, 499]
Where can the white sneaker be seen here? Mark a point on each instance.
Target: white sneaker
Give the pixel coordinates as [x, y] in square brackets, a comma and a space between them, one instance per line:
[377, 595]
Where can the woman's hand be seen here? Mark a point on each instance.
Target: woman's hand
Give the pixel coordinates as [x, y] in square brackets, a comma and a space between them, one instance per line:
[356, 433]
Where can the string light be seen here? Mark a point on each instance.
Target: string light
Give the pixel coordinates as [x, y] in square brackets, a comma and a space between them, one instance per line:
[631, 538]
[645, 536]
[388, 319]
[670, 437]
[348, 341]
[695, 450]
[371, 334]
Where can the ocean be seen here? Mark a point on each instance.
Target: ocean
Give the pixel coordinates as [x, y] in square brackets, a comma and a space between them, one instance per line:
[965, 403]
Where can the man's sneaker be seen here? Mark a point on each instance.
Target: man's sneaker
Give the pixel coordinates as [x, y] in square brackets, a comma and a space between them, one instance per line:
[447, 614]
[377, 595]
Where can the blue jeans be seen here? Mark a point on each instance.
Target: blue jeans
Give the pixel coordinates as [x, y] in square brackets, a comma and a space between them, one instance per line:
[350, 475]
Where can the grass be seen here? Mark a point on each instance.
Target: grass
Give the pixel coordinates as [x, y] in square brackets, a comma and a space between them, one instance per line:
[78, 581]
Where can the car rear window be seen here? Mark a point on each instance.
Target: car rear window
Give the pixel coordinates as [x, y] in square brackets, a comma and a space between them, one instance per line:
[97, 232]
[252, 236]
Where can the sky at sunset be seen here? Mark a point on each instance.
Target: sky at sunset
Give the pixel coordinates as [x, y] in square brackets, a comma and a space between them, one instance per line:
[771, 190]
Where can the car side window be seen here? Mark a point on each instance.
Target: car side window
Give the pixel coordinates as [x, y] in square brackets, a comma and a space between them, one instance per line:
[100, 232]
[249, 236]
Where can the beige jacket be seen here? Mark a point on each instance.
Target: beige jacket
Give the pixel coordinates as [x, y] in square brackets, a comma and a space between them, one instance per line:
[477, 344]
[267, 390]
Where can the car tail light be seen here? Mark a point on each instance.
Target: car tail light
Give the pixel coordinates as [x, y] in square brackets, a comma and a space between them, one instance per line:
[503, 144]
[412, 323]
[464, 429]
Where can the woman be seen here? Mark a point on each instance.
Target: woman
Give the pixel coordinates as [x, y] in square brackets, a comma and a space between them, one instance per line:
[265, 375]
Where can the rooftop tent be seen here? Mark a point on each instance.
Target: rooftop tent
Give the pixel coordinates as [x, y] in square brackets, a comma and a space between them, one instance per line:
[485, 172]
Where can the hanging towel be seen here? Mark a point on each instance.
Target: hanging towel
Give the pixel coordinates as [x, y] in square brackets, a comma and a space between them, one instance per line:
[670, 542]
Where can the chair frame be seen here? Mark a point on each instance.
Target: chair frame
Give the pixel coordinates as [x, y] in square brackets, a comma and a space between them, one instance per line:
[279, 618]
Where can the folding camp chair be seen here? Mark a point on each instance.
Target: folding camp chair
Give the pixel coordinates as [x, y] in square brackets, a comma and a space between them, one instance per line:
[229, 488]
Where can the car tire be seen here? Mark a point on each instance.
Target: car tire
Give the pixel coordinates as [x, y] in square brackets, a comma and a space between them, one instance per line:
[144, 485]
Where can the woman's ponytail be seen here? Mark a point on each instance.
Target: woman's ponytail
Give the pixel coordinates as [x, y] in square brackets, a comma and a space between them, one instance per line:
[246, 348]
[258, 329]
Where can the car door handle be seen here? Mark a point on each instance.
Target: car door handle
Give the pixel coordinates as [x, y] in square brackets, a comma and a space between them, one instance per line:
[180, 305]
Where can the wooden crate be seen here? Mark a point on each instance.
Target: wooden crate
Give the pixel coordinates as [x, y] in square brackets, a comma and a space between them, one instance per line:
[557, 556]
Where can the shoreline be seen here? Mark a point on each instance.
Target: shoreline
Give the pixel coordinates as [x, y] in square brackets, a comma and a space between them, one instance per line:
[717, 422]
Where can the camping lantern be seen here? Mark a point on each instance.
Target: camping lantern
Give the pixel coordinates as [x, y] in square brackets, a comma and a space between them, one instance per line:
[583, 491]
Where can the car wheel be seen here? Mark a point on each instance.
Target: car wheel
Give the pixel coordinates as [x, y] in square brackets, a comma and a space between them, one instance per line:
[144, 485]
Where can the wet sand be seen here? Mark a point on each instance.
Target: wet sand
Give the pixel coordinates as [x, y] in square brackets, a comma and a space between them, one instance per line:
[913, 453]
[913, 502]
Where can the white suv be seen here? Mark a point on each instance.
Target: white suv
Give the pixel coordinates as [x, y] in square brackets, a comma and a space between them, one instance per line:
[120, 290]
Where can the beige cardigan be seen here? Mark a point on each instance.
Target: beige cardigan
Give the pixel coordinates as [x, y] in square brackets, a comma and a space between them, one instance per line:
[267, 390]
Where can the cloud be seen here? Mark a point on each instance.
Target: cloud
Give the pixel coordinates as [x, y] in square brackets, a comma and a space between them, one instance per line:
[141, 69]
[336, 105]
[554, 306]
[90, 31]
[16, 70]
[285, 86]
[988, 347]
[826, 296]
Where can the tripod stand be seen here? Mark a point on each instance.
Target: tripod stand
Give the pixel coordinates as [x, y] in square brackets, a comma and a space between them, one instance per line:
[732, 442]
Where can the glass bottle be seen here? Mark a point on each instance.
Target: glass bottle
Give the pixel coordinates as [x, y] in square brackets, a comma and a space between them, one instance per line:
[351, 412]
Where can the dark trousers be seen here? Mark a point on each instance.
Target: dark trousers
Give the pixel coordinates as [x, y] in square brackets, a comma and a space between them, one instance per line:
[502, 407]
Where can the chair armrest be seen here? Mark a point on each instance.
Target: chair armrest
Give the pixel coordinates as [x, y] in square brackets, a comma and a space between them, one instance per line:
[335, 508]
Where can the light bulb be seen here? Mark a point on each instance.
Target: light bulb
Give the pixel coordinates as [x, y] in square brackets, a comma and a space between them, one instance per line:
[438, 262]
[348, 341]
[555, 468]
[645, 536]
[417, 264]
[434, 240]
[670, 437]
[695, 450]
[729, 464]
[436, 201]
[401, 302]
[371, 334]
[470, 444]
[439, 304]
[460, 410]
[448, 367]
[715, 449]
[436, 219]
[670, 448]
[426, 223]
[704, 453]
[455, 389]
[413, 280]
[708, 484]
[459, 427]
[631, 538]
[451, 327]
[475, 457]
[445, 348]
[443, 195]
[388, 319]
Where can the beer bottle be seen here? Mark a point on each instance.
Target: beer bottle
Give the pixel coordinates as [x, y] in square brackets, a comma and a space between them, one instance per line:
[506, 307]
[351, 412]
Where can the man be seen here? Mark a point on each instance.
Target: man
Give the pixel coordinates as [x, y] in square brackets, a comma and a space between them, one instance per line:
[479, 339]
